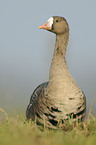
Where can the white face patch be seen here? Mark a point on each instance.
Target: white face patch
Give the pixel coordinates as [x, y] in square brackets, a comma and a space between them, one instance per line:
[50, 21]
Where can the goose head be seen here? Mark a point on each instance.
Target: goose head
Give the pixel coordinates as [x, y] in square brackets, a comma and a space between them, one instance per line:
[56, 24]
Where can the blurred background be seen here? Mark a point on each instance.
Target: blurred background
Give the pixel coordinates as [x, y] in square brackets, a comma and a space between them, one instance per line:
[26, 52]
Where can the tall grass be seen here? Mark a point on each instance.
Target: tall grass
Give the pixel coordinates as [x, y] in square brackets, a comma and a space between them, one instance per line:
[17, 131]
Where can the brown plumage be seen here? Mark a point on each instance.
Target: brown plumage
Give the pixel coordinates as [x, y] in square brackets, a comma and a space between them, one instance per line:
[60, 98]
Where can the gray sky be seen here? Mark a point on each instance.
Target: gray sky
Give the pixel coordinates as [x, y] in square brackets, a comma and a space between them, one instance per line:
[26, 52]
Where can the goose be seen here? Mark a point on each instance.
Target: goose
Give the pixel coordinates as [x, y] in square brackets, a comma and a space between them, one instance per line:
[60, 98]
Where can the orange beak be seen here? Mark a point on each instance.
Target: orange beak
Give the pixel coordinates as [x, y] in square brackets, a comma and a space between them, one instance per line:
[45, 26]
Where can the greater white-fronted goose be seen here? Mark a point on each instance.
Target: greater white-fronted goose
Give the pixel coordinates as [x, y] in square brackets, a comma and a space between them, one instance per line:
[60, 98]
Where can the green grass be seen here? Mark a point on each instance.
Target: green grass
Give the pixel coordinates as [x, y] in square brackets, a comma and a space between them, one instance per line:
[16, 131]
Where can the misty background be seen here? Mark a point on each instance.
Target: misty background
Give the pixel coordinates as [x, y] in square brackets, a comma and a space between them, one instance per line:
[26, 52]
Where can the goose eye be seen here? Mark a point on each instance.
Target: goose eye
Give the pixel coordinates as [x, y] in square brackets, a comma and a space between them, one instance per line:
[56, 20]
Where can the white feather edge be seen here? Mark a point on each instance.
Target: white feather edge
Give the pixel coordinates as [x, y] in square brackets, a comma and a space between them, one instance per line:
[50, 21]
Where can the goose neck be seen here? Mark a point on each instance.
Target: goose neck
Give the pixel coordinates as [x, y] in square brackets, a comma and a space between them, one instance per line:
[61, 44]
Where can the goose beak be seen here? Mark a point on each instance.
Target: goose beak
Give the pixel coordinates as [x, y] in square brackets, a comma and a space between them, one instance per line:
[45, 26]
